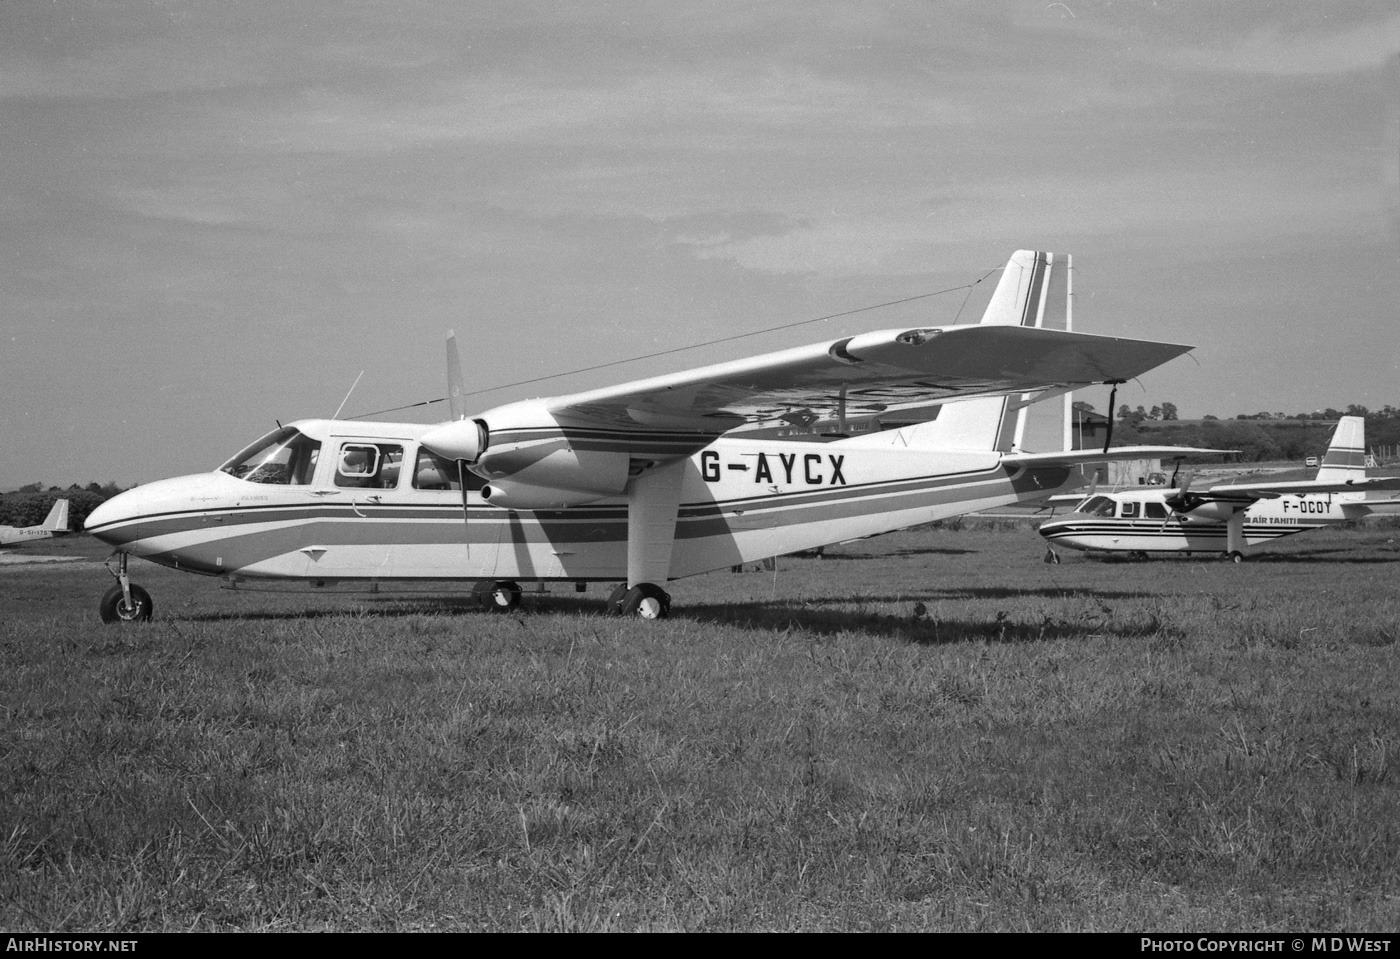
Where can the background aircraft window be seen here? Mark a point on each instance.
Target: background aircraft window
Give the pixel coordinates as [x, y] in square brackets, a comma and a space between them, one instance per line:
[1156, 511]
[283, 457]
[1129, 511]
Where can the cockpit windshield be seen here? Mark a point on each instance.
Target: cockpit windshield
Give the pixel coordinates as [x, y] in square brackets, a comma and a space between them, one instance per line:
[1096, 506]
[284, 457]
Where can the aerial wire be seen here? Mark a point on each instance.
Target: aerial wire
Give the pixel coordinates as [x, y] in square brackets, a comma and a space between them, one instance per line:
[695, 346]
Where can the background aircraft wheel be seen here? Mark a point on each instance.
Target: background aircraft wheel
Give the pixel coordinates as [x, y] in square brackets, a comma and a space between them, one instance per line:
[499, 597]
[113, 608]
[614, 604]
[647, 601]
[1235, 556]
[1052, 557]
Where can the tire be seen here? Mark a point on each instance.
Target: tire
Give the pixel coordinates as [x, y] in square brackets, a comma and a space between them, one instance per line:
[613, 607]
[499, 597]
[113, 608]
[1235, 556]
[646, 601]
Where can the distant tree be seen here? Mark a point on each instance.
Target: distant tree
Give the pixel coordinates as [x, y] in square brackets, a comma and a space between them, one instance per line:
[1155, 413]
[1169, 411]
[1210, 416]
[1354, 410]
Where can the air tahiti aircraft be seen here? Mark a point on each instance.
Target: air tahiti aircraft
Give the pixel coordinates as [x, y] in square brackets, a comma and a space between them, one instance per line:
[1226, 518]
[645, 482]
[55, 524]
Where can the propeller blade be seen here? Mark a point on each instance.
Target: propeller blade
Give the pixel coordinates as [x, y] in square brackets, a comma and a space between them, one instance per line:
[456, 383]
[462, 482]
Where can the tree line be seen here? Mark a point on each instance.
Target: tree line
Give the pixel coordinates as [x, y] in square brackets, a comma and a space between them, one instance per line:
[1259, 437]
[28, 505]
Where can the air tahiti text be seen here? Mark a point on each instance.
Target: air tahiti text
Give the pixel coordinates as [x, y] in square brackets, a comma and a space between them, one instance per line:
[813, 469]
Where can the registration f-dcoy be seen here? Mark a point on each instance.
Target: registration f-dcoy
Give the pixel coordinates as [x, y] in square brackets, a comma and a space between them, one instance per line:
[1225, 518]
[649, 481]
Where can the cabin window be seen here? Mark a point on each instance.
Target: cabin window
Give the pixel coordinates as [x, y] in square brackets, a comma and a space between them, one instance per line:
[284, 457]
[1156, 511]
[369, 465]
[433, 472]
[1097, 506]
[1128, 510]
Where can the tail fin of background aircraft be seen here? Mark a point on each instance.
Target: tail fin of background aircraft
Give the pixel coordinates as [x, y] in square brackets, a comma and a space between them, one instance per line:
[1346, 454]
[57, 520]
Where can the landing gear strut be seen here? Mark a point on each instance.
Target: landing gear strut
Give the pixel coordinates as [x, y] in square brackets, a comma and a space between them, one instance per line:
[124, 602]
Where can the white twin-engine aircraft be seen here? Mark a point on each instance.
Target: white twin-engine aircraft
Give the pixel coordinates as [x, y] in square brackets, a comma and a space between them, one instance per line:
[1225, 518]
[649, 481]
[55, 524]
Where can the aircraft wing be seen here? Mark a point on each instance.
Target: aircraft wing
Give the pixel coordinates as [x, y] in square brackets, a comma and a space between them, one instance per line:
[886, 370]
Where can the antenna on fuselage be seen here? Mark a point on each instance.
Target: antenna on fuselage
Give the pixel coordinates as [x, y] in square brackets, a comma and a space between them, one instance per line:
[347, 396]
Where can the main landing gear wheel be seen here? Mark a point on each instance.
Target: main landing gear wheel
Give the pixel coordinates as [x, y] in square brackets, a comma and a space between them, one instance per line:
[1235, 556]
[499, 597]
[613, 607]
[115, 609]
[1052, 557]
[646, 601]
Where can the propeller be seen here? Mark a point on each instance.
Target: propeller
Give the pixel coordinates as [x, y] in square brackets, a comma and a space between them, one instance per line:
[456, 387]
[1183, 500]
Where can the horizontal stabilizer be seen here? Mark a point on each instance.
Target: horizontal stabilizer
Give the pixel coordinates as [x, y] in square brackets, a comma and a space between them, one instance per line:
[1117, 453]
[1303, 487]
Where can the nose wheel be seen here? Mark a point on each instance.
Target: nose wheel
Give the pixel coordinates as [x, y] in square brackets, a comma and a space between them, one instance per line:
[125, 602]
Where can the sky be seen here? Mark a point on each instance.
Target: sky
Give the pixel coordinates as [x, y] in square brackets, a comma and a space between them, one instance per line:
[218, 215]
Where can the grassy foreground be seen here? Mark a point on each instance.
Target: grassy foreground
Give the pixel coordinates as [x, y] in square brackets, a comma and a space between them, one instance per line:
[931, 730]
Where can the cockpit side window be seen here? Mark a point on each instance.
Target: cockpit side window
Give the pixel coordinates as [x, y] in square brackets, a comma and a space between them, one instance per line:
[369, 465]
[284, 457]
[1156, 511]
[1097, 506]
[1128, 510]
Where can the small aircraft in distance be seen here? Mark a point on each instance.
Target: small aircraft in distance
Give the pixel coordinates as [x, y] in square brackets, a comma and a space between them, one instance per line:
[1224, 518]
[55, 524]
[648, 481]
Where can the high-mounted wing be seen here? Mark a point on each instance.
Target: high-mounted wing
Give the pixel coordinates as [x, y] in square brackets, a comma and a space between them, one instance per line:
[876, 372]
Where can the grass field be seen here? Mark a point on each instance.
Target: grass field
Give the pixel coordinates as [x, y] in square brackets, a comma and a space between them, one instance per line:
[932, 730]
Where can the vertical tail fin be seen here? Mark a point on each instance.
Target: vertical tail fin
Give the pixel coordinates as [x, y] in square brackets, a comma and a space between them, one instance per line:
[1346, 454]
[57, 520]
[1033, 291]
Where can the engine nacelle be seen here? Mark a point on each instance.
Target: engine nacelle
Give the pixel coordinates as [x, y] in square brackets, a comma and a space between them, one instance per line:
[570, 470]
[511, 495]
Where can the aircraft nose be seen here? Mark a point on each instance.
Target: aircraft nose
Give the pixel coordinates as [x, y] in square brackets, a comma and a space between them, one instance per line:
[111, 520]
